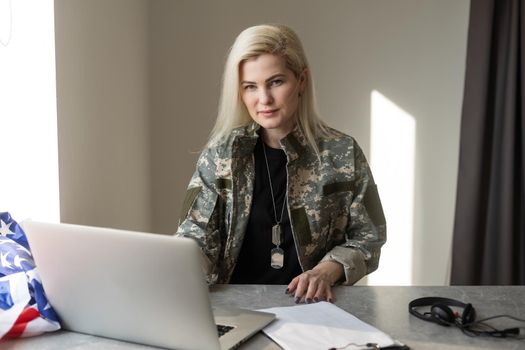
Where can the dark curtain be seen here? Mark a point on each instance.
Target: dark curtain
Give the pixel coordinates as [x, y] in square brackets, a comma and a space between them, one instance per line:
[489, 230]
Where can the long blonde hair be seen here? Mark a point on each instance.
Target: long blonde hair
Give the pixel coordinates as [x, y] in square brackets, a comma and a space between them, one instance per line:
[252, 42]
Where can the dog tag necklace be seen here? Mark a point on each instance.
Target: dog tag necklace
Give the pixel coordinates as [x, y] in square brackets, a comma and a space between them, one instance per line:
[276, 254]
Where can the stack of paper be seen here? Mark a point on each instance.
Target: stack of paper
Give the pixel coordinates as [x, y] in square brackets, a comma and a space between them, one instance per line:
[322, 326]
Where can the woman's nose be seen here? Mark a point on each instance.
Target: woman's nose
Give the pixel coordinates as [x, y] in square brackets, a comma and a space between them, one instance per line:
[265, 96]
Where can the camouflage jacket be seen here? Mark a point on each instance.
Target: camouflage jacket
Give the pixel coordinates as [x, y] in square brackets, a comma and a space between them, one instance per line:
[333, 204]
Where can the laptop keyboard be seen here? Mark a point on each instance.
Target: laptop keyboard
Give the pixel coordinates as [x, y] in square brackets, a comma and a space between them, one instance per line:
[222, 329]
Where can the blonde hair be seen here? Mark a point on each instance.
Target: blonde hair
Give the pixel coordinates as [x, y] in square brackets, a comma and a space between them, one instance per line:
[251, 43]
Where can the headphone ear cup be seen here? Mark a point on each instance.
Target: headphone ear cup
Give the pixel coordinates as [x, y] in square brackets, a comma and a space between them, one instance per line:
[442, 314]
[469, 315]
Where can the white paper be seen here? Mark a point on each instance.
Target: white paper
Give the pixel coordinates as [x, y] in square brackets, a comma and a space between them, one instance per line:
[321, 326]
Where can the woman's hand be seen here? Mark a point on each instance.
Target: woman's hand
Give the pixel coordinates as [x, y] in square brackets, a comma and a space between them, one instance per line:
[316, 284]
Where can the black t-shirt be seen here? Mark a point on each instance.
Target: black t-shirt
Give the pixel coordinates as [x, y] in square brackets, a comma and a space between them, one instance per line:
[253, 264]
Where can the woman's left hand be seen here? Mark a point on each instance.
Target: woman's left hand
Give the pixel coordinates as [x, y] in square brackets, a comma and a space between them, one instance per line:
[316, 284]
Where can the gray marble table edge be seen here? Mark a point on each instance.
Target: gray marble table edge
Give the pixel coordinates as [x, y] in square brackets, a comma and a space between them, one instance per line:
[385, 307]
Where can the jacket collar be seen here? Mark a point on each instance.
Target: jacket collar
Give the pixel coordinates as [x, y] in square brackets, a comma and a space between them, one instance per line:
[294, 144]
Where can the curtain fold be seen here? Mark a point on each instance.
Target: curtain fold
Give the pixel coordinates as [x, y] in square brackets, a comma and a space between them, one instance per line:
[489, 230]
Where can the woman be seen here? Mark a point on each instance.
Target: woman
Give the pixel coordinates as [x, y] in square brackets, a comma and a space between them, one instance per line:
[278, 197]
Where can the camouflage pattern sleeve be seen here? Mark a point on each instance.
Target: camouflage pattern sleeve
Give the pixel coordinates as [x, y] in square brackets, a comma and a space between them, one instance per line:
[200, 217]
[366, 232]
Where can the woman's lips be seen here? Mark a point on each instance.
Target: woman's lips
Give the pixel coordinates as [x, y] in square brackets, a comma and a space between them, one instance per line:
[268, 112]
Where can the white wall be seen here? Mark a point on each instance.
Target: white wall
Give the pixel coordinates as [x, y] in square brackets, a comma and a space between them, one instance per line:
[28, 123]
[103, 110]
[410, 51]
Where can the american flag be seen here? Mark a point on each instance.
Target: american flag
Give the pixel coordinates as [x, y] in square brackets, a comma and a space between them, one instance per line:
[24, 309]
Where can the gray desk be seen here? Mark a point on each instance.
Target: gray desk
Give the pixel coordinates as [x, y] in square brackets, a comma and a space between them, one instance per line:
[383, 307]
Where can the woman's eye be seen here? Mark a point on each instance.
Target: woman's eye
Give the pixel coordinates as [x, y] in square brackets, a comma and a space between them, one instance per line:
[249, 87]
[276, 82]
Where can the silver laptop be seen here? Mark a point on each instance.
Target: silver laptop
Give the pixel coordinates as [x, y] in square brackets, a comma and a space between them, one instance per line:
[137, 287]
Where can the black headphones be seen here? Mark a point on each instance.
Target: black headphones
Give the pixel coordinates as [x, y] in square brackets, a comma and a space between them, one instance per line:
[441, 312]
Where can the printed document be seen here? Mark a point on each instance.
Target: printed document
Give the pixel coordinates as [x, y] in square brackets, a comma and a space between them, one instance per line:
[321, 326]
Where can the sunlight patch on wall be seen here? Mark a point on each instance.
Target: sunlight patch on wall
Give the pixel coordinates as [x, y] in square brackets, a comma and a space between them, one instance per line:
[28, 116]
[393, 140]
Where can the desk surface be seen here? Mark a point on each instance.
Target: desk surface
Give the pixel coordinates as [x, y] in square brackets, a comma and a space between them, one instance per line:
[383, 307]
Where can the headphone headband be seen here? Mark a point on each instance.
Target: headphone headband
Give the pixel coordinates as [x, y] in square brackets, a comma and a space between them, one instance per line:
[429, 301]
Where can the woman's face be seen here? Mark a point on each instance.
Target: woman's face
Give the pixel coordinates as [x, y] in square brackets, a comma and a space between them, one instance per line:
[270, 92]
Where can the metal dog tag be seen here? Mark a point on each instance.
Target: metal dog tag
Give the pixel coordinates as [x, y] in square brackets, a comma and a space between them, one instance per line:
[277, 258]
[276, 235]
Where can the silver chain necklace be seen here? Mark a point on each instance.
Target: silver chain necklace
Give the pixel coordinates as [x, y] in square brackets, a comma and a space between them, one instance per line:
[276, 254]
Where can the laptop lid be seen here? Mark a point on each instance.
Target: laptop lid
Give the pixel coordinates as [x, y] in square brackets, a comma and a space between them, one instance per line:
[138, 287]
